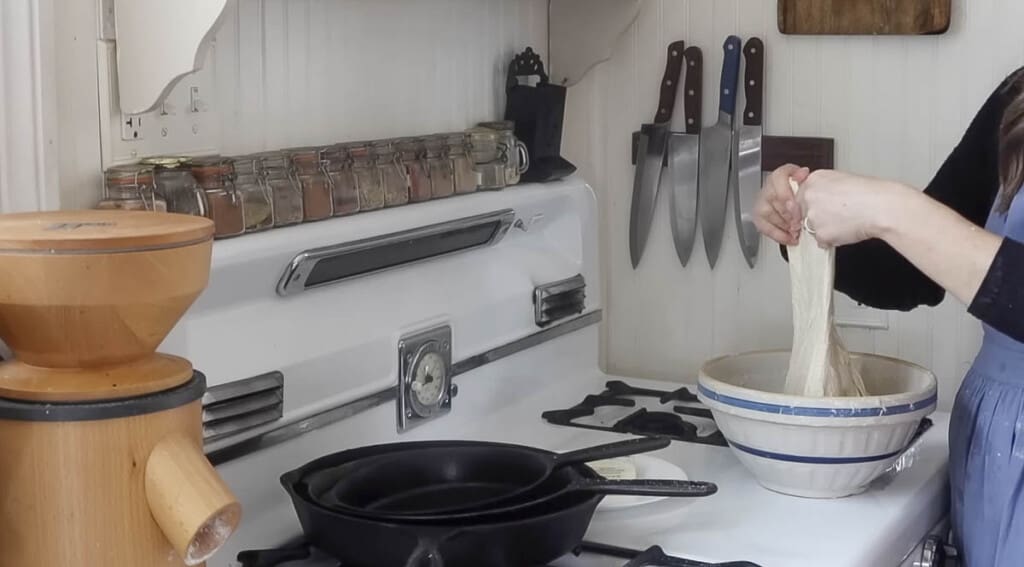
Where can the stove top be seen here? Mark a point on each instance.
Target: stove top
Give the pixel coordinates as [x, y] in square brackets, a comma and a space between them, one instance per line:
[622, 408]
[301, 554]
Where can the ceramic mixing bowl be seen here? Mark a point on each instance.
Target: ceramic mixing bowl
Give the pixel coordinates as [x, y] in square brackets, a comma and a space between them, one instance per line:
[815, 447]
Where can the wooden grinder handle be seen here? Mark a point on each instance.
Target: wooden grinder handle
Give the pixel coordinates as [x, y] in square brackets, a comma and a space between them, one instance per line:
[192, 505]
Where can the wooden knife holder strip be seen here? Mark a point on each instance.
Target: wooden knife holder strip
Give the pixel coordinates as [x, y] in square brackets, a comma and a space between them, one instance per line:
[776, 151]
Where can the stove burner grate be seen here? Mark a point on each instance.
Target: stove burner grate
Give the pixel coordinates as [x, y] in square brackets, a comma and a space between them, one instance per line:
[654, 556]
[677, 414]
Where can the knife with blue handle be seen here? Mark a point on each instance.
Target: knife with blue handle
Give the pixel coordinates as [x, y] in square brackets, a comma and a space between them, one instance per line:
[716, 150]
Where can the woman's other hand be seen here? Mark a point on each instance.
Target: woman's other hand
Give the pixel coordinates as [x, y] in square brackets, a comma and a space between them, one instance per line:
[777, 213]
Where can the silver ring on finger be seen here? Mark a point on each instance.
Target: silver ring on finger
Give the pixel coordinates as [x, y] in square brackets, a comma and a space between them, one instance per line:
[807, 226]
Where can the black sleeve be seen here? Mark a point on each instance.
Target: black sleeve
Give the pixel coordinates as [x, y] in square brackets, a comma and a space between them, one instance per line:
[1000, 300]
[874, 274]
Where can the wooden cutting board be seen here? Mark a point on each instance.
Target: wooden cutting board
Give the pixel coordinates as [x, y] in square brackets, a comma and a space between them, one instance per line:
[864, 17]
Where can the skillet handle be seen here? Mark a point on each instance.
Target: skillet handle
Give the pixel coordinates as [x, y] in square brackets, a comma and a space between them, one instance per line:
[612, 450]
[673, 488]
[656, 556]
[427, 552]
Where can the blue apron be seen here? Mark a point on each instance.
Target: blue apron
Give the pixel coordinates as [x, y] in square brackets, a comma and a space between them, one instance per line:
[986, 441]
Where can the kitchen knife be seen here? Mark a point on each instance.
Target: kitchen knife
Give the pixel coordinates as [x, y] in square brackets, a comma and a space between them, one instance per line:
[716, 154]
[651, 146]
[749, 150]
[683, 152]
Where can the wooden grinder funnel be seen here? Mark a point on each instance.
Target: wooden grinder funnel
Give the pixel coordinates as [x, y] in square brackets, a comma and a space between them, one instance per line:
[102, 437]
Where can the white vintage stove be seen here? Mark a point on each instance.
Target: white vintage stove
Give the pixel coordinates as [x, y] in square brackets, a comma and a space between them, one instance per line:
[337, 334]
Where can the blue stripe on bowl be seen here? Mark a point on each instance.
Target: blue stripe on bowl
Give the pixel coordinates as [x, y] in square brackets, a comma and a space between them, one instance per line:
[779, 409]
[813, 460]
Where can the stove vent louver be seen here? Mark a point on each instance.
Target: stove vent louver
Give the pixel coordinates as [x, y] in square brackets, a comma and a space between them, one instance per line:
[232, 408]
[559, 300]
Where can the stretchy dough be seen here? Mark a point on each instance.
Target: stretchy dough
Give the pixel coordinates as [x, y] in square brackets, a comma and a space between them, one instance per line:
[819, 365]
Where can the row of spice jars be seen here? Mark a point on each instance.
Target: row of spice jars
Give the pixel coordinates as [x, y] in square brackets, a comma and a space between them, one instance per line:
[256, 192]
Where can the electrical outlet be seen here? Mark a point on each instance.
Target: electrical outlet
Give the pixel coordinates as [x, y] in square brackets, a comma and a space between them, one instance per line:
[131, 127]
[848, 313]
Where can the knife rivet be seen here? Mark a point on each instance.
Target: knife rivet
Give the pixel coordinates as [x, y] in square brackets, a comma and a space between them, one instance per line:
[689, 120]
[669, 82]
[726, 91]
[690, 92]
[750, 114]
[752, 82]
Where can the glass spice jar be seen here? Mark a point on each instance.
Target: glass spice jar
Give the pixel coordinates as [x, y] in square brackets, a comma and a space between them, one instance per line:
[439, 167]
[216, 177]
[173, 180]
[257, 201]
[367, 176]
[311, 174]
[392, 174]
[489, 168]
[512, 152]
[279, 179]
[460, 153]
[130, 187]
[413, 156]
[345, 195]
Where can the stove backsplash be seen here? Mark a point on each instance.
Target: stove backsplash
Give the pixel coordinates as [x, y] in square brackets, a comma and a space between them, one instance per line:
[338, 342]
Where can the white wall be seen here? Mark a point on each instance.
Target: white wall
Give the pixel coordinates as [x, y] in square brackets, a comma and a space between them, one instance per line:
[895, 105]
[284, 73]
[28, 149]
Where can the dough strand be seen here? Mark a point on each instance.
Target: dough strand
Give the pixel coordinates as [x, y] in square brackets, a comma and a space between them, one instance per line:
[819, 365]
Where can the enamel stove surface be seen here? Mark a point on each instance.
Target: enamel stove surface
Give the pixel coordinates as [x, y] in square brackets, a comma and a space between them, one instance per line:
[337, 346]
[743, 522]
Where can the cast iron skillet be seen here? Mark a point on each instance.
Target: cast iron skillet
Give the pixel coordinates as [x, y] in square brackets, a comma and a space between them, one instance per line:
[323, 487]
[535, 536]
[425, 482]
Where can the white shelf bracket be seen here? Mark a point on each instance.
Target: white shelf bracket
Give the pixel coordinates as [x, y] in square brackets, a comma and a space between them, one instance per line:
[583, 33]
[158, 43]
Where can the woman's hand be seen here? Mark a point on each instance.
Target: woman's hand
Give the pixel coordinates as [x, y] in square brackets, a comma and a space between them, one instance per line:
[843, 208]
[777, 214]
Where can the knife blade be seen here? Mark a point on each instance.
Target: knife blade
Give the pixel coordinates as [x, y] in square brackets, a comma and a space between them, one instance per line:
[683, 160]
[749, 150]
[651, 147]
[716, 154]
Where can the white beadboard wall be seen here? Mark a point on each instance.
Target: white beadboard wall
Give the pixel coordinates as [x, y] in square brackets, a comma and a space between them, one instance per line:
[895, 105]
[302, 72]
[286, 73]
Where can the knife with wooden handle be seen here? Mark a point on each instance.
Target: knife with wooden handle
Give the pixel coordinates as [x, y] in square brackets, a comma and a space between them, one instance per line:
[651, 146]
[716, 143]
[748, 152]
[684, 156]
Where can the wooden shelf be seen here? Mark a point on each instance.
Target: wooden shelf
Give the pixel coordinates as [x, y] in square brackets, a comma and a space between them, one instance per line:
[159, 42]
[583, 34]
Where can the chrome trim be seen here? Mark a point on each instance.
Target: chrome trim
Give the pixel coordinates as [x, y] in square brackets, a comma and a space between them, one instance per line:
[223, 451]
[243, 405]
[231, 390]
[295, 275]
[555, 331]
[542, 294]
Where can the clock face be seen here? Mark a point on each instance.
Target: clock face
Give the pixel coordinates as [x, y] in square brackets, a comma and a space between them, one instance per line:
[429, 379]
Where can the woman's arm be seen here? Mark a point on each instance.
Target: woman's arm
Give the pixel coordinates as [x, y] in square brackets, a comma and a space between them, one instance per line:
[872, 272]
[980, 268]
[952, 251]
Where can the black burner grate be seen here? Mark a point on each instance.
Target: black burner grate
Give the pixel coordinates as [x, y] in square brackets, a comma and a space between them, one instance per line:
[295, 554]
[682, 417]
